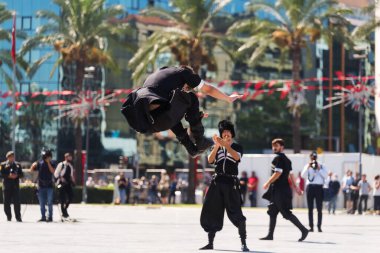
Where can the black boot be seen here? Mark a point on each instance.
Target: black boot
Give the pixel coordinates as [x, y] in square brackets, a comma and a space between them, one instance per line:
[184, 139]
[272, 225]
[293, 219]
[210, 245]
[243, 236]
[197, 132]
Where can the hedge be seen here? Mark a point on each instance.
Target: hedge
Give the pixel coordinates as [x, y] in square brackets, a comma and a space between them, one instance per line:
[94, 195]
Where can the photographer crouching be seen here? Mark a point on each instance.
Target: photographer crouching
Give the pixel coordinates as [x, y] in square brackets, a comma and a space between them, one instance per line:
[64, 174]
[316, 175]
[11, 172]
[45, 168]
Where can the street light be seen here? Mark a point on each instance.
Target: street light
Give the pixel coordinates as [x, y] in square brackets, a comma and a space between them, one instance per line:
[361, 58]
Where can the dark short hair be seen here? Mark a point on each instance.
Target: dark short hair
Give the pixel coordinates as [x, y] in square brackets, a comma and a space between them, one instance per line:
[278, 141]
[188, 68]
[226, 125]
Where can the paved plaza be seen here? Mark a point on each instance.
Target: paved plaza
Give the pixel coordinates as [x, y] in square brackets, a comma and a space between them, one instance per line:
[108, 228]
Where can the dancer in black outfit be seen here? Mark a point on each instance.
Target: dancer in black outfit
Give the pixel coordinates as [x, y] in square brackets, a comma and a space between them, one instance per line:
[165, 99]
[224, 193]
[279, 193]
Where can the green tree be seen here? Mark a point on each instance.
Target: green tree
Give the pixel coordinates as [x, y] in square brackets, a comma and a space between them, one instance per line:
[190, 39]
[291, 26]
[80, 34]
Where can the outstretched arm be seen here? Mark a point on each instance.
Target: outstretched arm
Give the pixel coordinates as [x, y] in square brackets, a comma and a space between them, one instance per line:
[213, 91]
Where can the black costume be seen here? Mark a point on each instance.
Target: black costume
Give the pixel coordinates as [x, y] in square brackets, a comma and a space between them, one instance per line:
[279, 195]
[11, 188]
[224, 194]
[164, 88]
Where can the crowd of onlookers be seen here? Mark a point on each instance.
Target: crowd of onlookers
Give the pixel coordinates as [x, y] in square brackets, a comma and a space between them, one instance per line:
[153, 190]
[166, 190]
[355, 190]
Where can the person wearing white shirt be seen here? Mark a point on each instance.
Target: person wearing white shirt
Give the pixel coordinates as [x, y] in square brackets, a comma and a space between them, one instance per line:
[316, 174]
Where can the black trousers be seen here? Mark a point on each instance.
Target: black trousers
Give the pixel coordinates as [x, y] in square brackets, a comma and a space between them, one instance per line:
[281, 202]
[65, 198]
[183, 104]
[12, 194]
[362, 198]
[219, 198]
[314, 192]
[192, 115]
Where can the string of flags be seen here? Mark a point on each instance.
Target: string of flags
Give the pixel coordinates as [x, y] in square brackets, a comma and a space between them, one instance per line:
[352, 86]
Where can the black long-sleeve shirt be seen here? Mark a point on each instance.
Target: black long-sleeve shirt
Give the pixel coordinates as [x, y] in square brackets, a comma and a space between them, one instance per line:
[8, 168]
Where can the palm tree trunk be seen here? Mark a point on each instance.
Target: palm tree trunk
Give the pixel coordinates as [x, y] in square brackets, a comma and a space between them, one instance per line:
[78, 154]
[195, 55]
[78, 127]
[297, 115]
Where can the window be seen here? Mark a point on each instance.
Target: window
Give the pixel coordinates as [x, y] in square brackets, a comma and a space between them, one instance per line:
[26, 23]
[24, 87]
[135, 5]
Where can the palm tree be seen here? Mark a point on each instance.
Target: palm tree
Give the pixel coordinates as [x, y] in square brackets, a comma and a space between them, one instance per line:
[364, 31]
[190, 38]
[79, 33]
[292, 25]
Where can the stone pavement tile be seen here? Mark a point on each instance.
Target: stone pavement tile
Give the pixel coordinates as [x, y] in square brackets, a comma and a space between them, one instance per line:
[107, 228]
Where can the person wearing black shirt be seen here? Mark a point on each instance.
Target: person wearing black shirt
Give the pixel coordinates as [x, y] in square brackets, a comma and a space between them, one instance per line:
[224, 193]
[165, 99]
[65, 180]
[279, 192]
[45, 168]
[243, 186]
[355, 193]
[11, 172]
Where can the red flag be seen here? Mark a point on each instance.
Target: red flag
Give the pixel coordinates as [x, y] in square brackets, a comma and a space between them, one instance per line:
[13, 52]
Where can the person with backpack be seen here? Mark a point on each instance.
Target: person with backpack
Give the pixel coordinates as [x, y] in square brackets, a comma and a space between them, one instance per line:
[45, 168]
[64, 175]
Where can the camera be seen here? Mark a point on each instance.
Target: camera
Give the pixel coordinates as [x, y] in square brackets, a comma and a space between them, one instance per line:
[314, 165]
[313, 157]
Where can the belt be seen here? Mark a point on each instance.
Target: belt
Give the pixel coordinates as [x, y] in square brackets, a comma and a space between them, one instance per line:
[234, 177]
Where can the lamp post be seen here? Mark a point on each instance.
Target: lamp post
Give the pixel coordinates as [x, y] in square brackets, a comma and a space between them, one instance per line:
[89, 75]
[361, 58]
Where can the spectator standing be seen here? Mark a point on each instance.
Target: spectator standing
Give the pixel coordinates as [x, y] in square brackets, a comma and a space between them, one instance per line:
[364, 189]
[11, 172]
[347, 181]
[163, 187]
[172, 190]
[355, 193]
[122, 184]
[252, 188]
[300, 183]
[334, 187]
[376, 195]
[243, 186]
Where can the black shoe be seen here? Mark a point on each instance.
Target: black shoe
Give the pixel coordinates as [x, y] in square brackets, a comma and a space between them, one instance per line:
[244, 248]
[319, 229]
[207, 247]
[18, 219]
[42, 220]
[304, 235]
[267, 238]
[49, 220]
[311, 230]
[189, 145]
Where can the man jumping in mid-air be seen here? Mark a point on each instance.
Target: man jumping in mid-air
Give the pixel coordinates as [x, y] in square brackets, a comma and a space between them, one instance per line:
[165, 99]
